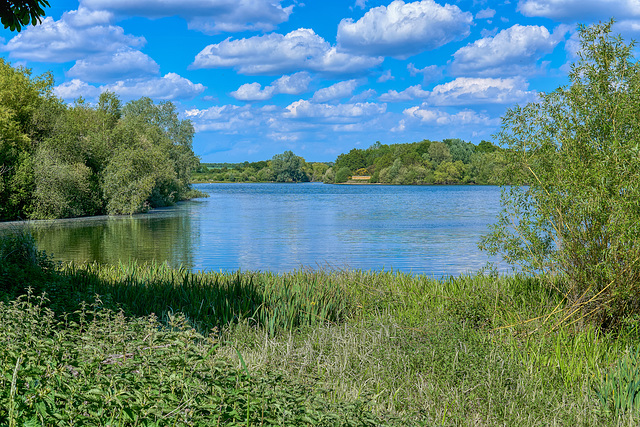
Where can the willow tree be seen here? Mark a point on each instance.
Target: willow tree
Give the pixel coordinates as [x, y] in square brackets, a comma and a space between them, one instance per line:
[574, 213]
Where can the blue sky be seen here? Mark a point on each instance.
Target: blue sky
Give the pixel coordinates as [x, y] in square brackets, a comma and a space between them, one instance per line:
[318, 77]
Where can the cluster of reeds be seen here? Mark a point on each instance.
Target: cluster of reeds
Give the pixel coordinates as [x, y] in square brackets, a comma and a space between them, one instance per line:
[274, 302]
[619, 390]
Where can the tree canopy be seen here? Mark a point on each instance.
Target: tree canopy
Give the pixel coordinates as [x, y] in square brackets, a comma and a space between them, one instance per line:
[450, 161]
[16, 14]
[287, 167]
[61, 161]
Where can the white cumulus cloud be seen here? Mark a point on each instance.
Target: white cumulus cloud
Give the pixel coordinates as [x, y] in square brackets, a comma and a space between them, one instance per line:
[291, 85]
[114, 66]
[363, 96]
[76, 35]
[443, 118]
[408, 94]
[513, 51]
[330, 113]
[336, 91]
[299, 50]
[170, 87]
[403, 29]
[572, 10]
[84, 17]
[485, 14]
[385, 77]
[75, 89]
[467, 91]
[429, 73]
[209, 16]
[230, 119]
[252, 92]
[478, 91]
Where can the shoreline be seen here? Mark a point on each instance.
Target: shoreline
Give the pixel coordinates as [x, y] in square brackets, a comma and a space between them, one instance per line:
[151, 212]
[470, 184]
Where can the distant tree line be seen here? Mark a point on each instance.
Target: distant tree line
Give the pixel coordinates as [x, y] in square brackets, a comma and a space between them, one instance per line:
[285, 167]
[451, 161]
[59, 161]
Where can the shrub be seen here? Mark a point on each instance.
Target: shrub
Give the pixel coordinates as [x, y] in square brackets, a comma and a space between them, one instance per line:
[22, 264]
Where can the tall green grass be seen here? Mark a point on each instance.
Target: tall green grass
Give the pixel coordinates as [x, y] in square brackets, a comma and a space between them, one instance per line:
[274, 302]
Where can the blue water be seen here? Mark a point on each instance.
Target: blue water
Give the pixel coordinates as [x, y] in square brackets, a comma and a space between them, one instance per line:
[431, 230]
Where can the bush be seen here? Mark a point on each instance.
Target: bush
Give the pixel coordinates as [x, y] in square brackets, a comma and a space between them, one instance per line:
[22, 264]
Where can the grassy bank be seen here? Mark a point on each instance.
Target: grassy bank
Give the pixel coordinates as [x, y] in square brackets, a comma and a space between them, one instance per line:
[159, 346]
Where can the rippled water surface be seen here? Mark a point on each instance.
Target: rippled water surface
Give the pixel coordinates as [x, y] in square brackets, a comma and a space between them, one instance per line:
[279, 227]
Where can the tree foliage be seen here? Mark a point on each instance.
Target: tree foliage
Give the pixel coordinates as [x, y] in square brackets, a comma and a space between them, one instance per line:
[27, 108]
[16, 14]
[353, 160]
[66, 161]
[439, 152]
[576, 157]
[451, 161]
[283, 167]
[287, 167]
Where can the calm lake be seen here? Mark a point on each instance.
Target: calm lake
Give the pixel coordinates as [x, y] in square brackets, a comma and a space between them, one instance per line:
[431, 230]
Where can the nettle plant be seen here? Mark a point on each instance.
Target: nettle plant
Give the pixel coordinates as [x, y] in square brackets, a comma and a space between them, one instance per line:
[574, 159]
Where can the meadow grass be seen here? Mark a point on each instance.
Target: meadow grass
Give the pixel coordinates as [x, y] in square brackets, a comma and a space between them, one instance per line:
[149, 345]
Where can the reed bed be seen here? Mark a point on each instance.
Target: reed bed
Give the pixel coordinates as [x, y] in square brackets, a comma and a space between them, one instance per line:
[212, 300]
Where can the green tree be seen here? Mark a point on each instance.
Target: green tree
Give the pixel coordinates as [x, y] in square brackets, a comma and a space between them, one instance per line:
[15, 14]
[319, 169]
[485, 147]
[63, 190]
[177, 135]
[342, 175]
[450, 172]
[575, 156]
[411, 175]
[486, 167]
[407, 154]
[394, 170]
[287, 167]
[266, 175]
[439, 152]
[23, 102]
[460, 150]
[138, 179]
[353, 160]
[329, 176]
[110, 107]
[423, 147]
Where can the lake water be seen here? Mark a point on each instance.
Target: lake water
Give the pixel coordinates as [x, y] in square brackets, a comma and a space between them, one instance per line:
[431, 230]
